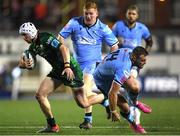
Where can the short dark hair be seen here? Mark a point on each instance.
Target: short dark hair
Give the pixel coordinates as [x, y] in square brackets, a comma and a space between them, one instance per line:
[138, 51]
[133, 7]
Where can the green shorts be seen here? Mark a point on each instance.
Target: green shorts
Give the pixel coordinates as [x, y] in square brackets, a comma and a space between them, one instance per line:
[75, 83]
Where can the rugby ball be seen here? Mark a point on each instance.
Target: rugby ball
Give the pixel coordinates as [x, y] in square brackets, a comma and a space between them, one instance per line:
[28, 55]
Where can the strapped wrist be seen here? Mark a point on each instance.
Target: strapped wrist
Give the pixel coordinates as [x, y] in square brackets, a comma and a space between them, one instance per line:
[67, 67]
[66, 63]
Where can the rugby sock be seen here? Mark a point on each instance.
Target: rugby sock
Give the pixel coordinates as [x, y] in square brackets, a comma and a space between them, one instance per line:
[105, 102]
[127, 116]
[88, 117]
[51, 122]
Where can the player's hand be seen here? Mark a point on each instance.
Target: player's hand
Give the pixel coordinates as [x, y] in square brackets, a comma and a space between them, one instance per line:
[69, 73]
[115, 116]
[22, 63]
[29, 63]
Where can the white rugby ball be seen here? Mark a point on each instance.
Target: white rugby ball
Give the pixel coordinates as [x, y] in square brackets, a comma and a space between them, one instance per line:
[28, 55]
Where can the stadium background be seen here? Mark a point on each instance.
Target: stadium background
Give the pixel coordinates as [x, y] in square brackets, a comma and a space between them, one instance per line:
[159, 79]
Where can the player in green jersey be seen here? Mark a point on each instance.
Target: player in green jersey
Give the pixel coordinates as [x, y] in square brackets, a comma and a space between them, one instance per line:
[65, 70]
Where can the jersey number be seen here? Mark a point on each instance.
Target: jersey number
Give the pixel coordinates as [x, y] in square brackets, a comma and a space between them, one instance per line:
[113, 56]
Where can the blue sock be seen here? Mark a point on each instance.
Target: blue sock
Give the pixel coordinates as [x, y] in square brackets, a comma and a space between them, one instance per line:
[128, 116]
[105, 102]
[88, 117]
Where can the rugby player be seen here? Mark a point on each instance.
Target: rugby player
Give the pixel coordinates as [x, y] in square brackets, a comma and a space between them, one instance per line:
[65, 70]
[130, 34]
[115, 72]
[88, 34]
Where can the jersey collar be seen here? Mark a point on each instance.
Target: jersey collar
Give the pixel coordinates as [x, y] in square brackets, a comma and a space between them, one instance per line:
[87, 25]
[125, 22]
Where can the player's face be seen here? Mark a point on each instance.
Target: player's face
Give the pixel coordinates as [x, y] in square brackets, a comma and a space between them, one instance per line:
[27, 38]
[90, 16]
[141, 61]
[131, 16]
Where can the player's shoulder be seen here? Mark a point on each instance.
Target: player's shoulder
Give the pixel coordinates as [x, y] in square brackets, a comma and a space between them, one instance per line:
[46, 36]
[141, 25]
[102, 26]
[76, 20]
[119, 24]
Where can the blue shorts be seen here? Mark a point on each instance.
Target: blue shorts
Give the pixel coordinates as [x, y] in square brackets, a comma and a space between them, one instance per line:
[88, 67]
[102, 84]
[105, 85]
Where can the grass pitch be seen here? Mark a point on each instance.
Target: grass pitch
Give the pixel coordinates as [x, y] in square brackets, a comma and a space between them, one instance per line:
[25, 118]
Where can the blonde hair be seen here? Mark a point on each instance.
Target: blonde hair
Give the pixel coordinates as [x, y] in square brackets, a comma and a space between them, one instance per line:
[90, 4]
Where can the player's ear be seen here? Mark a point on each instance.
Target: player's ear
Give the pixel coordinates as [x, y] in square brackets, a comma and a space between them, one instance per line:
[137, 16]
[133, 58]
[97, 13]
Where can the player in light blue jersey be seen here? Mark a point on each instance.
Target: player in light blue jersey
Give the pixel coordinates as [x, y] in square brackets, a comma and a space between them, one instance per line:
[115, 72]
[88, 34]
[130, 34]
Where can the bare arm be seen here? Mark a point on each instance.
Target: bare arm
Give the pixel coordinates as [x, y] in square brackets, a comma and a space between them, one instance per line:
[114, 47]
[60, 38]
[65, 53]
[64, 50]
[66, 57]
[113, 100]
[113, 95]
[149, 43]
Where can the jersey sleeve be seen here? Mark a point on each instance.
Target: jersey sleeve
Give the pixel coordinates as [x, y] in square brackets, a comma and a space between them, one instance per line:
[122, 76]
[146, 32]
[109, 37]
[53, 42]
[67, 29]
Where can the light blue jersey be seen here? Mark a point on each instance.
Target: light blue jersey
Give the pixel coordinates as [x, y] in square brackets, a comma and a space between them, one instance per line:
[87, 41]
[115, 66]
[131, 37]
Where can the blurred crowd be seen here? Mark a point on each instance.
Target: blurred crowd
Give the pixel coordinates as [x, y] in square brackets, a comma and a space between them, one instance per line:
[48, 13]
[42, 13]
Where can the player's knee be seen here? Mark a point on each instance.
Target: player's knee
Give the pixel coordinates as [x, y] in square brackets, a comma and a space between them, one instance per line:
[83, 105]
[39, 96]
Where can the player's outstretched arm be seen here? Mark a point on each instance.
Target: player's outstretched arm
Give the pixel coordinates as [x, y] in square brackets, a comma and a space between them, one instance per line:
[113, 100]
[66, 57]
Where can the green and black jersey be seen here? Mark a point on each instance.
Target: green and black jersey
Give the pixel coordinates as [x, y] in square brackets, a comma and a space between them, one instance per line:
[47, 46]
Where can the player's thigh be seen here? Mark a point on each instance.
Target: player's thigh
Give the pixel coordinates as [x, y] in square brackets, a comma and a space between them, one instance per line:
[88, 70]
[132, 84]
[47, 86]
[88, 79]
[122, 103]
